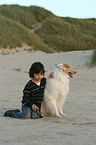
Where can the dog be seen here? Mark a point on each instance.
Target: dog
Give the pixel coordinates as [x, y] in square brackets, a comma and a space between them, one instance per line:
[56, 91]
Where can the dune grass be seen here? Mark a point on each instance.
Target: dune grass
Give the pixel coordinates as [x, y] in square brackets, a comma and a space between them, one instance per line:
[56, 34]
[93, 61]
[13, 34]
[27, 16]
[65, 35]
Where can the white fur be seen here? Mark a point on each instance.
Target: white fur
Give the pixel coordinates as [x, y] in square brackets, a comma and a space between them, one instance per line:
[55, 93]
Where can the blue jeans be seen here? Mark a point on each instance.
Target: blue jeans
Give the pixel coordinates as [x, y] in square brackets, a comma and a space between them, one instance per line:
[25, 113]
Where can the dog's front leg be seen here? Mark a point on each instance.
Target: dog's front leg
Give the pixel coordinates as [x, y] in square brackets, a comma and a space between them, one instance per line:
[61, 112]
[55, 110]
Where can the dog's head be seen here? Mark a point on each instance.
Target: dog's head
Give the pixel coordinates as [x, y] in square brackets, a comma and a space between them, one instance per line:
[66, 69]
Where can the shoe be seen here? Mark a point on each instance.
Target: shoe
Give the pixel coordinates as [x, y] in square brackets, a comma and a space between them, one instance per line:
[9, 112]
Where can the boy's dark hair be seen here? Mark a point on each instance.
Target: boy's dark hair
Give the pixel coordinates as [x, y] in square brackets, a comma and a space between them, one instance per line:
[36, 68]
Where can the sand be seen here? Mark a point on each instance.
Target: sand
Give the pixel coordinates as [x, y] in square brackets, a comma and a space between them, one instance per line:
[78, 128]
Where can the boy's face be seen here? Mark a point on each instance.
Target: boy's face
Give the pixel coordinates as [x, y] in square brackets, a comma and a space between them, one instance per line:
[38, 76]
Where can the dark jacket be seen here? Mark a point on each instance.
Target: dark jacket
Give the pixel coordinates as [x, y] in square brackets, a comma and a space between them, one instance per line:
[33, 94]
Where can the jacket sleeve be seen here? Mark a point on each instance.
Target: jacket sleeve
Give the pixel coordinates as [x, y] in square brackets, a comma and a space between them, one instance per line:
[27, 97]
[29, 103]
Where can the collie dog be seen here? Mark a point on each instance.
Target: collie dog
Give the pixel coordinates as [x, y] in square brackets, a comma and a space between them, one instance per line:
[56, 90]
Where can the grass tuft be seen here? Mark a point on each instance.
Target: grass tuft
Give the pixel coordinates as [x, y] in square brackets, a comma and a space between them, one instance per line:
[93, 61]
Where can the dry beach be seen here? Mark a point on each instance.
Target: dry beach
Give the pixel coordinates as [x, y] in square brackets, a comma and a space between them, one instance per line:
[77, 128]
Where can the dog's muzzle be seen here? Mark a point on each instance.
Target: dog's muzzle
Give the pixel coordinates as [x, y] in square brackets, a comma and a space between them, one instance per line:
[71, 74]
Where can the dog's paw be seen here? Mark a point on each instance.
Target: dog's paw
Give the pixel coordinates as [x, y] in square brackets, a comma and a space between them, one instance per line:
[63, 115]
[58, 115]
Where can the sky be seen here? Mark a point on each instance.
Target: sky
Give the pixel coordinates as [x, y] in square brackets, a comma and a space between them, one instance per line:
[64, 8]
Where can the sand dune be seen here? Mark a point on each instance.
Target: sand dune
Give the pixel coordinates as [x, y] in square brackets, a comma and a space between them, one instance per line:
[79, 127]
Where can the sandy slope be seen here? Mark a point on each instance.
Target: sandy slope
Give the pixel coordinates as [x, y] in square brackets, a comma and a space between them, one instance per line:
[79, 127]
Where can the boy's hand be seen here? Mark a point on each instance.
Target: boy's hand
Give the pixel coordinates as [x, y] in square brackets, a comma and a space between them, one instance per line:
[34, 107]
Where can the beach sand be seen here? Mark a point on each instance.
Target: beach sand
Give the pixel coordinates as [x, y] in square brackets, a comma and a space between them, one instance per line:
[78, 128]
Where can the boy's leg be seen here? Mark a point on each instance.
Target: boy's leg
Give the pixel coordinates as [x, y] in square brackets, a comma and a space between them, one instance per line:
[8, 113]
[34, 115]
[25, 114]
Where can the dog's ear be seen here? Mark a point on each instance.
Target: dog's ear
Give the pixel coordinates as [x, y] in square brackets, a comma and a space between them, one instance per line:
[60, 66]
